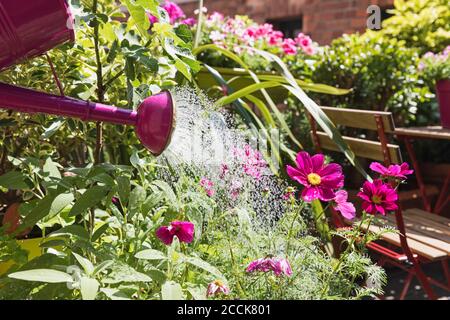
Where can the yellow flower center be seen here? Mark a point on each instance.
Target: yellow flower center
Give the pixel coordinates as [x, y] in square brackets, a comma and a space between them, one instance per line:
[376, 199]
[314, 179]
[219, 283]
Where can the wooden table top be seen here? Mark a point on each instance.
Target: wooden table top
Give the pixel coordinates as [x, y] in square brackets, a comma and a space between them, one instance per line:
[430, 132]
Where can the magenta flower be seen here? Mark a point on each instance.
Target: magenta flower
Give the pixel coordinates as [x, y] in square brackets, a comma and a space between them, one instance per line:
[393, 171]
[183, 230]
[347, 209]
[320, 180]
[236, 187]
[378, 197]
[252, 161]
[208, 185]
[152, 18]
[289, 47]
[303, 40]
[275, 38]
[289, 193]
[174, 11]
[282, 266]
[189, 21]
[224, 170]
[278, 266]
[217, 287]
[216, 17]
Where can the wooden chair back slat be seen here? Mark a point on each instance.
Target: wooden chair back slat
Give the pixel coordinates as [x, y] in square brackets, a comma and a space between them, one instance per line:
[362, 148]
[360, 119]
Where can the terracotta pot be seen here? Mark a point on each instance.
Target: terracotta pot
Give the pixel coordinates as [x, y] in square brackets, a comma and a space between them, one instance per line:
[13, 221]
[443, 95]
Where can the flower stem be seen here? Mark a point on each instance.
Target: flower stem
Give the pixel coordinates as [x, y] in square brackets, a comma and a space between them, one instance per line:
[341, 258]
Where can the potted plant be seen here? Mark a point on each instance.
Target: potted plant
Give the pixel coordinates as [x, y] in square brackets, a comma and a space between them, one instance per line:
[436, 67]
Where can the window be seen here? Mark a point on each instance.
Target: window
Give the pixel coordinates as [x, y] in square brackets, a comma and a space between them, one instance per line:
[385, 14]
[290, 27]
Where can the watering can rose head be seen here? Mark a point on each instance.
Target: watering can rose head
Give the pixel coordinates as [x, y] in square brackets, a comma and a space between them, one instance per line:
[156, 121]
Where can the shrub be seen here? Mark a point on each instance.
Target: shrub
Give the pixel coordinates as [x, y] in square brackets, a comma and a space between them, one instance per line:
[381, 72]
[422, 24]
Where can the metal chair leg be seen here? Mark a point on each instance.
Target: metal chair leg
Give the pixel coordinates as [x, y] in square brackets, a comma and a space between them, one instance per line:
[405, 289]
[424, 281]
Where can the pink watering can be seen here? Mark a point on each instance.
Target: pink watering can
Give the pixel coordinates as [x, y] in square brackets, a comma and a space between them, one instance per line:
[30, 28]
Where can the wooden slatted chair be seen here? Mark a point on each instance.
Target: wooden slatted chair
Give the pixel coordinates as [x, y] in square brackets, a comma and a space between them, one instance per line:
[423, 237]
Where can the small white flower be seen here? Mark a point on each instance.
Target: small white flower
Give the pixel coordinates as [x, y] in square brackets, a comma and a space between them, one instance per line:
[216, 36]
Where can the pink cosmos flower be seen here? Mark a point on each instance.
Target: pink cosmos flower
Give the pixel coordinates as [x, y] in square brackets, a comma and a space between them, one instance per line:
[189, 21]
[278, 266]
[183, 230]
[282, 266]
[393, 171]
[347, 209]
[174, 11]
[289, 47]
[224, 169]
[320, 180]
[378, 197]
[252, 161]
[208, 185]
[217, 287]
[236, 187]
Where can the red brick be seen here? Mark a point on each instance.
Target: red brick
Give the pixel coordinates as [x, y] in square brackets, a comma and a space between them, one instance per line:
[324, 20]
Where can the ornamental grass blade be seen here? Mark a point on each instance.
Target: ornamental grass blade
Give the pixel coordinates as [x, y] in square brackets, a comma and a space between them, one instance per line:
[270, 102]
[316, 112]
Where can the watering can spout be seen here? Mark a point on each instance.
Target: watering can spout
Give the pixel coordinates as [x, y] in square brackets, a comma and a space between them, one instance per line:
[154, 119]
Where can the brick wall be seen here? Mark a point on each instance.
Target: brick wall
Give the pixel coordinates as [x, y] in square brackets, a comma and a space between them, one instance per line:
[323, 20]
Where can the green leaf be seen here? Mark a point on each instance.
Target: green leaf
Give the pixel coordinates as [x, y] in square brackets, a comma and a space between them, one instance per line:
[246, 91]
[89, 199]
[139, 16]
[150, 254]
[123, 187]
[85, 263]
[199, 263]
[168, 191]
[172, 290]
[75, 230]
[98, 233]
[137, 197]
[184, 33]
[40, 211]
[122, 272]
[89, 288]
[53, 128]
[42, 275]
[60, 202]
[13, 180]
